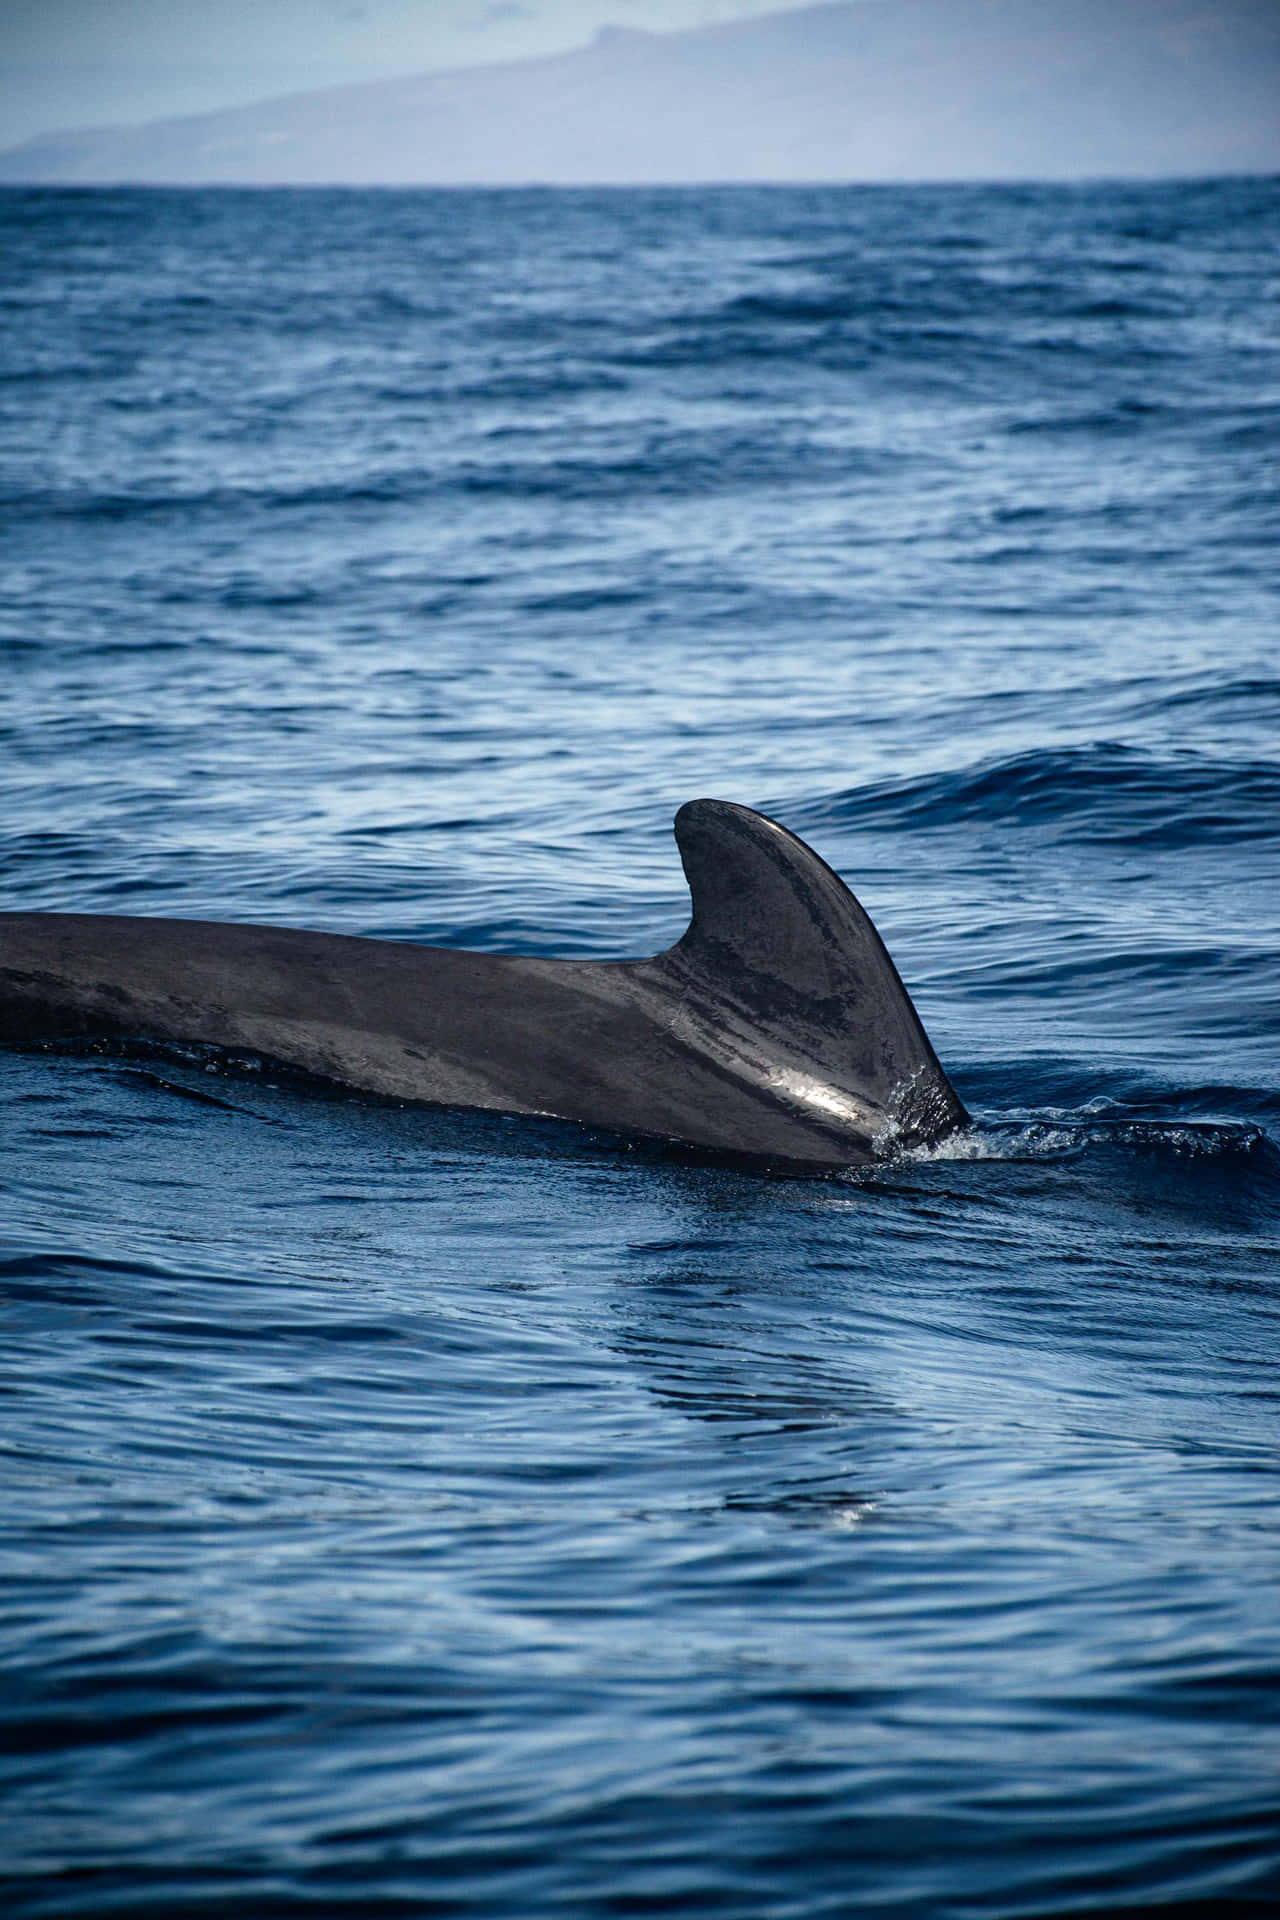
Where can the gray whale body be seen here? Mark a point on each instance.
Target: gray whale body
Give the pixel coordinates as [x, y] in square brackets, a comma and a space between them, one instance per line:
[777, 1027]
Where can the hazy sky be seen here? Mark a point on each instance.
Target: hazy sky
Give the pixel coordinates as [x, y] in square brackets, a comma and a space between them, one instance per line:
[68, 63]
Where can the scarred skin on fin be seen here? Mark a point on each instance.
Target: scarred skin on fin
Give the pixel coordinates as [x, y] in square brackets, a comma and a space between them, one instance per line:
[777, 1027]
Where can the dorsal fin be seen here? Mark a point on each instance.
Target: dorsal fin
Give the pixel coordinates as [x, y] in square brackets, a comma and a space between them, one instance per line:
[778, 942]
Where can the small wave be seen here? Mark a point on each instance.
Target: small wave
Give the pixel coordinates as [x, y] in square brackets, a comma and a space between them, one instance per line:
[1105, 792]
[1250, 696]
[1218, 1143]
[1127, 415]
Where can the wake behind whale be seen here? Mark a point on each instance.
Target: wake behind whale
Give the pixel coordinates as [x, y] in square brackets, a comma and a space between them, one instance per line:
[777, 1027]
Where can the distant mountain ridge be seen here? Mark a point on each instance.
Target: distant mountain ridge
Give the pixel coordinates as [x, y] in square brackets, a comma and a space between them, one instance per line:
[856, 90]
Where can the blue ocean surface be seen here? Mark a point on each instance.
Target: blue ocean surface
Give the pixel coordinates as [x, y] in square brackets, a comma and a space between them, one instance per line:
[410, 1513]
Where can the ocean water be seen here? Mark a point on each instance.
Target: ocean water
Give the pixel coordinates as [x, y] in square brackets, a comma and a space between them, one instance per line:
[406, 1513]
